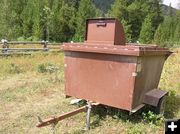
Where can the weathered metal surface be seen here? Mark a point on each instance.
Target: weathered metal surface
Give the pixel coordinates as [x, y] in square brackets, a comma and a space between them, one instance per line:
[114, 80]
[55, 120]
[52, 120]
[108, 31]
[152, 97]
[113, 75]
[148, 76]
[128, 50]
[137, 108]
[100, 77]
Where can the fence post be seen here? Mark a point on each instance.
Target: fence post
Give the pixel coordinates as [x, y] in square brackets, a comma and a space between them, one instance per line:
[5, 46]
[45, 45]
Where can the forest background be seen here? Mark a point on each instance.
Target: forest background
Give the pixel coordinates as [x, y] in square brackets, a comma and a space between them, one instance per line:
[64, 20]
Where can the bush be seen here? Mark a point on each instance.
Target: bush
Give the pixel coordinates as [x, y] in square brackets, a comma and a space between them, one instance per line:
[152, 118]
[21, 38]
[47, 68]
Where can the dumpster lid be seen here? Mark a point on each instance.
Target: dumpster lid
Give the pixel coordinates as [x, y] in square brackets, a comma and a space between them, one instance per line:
[105, 31]
[128, 49]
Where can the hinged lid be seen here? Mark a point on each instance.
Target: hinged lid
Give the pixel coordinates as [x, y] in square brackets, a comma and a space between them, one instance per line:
[106, 31]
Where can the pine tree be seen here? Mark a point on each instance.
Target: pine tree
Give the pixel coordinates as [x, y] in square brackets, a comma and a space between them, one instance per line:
[135, 18]
[8, 24]
[86, 10]
[177, 34]
[155, 11]
[17, 8]
[146, 34]
[4, 17]
[158, 35]
[103, 5]
[62, 28]
[119, 10]
[134, 13]
[36, 28]
[27, 16]
[127, 30]
[176, 37]
[165, 32]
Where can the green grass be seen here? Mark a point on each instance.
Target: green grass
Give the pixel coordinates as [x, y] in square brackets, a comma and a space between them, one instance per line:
[32, 86]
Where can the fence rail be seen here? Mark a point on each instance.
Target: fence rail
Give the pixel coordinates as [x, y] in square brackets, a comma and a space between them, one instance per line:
[6, 50]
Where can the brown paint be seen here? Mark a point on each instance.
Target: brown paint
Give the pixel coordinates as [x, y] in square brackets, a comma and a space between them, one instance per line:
[105, 70]
[54, 120]
[108, 31]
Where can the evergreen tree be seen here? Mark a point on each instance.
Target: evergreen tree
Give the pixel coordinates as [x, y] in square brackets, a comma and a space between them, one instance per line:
[119, 11]
[176, 37]
[36, 28]
[168, 32]
[135, 18]
[177, 34]
[27, 16]
[155, 12]
[3, 14]
[165, 32]
[134, 13]
[8, 24]
[62, 28]
[146, 34]
[103, 5]
[152, 10]
[127, 30]
[64, 20]
[86, 10]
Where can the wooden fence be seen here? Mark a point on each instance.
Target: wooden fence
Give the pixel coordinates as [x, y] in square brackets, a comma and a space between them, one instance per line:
[9, 48]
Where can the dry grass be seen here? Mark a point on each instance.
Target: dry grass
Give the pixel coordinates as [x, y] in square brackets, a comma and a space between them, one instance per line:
[25, 94]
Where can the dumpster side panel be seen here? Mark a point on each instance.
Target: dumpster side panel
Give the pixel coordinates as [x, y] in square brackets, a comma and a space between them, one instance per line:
[102, 78]
[119, 34]
[149, 73]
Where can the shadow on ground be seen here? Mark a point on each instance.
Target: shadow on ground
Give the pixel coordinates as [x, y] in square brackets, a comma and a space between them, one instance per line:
[145, 115]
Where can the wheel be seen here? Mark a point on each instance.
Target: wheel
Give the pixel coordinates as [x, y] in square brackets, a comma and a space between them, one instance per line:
[160, 109]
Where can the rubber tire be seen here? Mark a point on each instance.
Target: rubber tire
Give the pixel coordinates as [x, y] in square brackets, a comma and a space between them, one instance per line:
[160, 109]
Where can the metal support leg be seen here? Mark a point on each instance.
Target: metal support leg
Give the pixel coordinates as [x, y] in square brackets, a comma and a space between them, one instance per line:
[53, 128]
[89, 107]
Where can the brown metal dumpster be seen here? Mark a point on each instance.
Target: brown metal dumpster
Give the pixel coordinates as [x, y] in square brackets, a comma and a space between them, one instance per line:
[106, 70]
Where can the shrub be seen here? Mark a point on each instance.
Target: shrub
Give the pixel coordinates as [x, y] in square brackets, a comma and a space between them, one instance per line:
[152, 118]
[47, 68]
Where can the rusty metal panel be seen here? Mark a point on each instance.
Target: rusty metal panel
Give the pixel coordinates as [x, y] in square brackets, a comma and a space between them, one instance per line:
[148, 76]
[103, 75]
[152, 97]
[108, 31]
[106, 70]
[104, 78]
